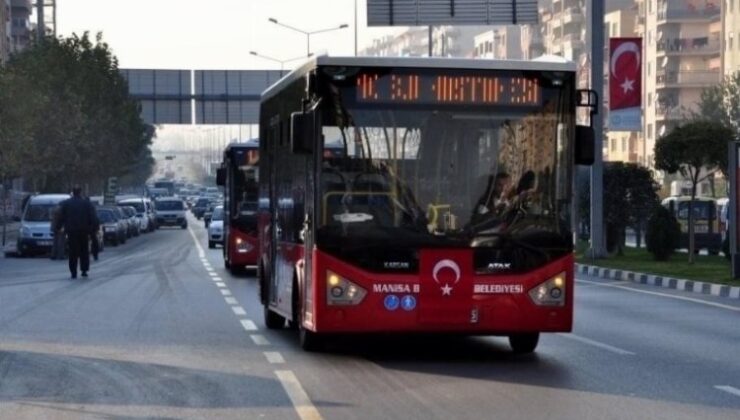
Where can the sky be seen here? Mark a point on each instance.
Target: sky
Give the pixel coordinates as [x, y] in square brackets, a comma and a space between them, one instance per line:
[215, 34]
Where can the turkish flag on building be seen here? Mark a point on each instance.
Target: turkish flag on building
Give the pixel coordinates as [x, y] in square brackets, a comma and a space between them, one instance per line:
[625, 73]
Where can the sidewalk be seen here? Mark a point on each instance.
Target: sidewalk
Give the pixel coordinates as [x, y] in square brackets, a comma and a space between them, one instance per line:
[11, 234]
[700, 287]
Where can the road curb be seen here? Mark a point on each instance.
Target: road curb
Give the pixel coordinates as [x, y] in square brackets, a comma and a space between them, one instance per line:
[693, 286]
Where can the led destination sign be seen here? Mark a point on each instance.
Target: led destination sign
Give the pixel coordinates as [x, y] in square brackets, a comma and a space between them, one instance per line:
[447, 89]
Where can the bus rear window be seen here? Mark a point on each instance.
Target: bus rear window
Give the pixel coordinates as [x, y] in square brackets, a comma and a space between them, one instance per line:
[703, 210]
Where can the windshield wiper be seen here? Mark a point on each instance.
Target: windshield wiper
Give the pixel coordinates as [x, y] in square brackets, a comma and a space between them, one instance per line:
[508, 237]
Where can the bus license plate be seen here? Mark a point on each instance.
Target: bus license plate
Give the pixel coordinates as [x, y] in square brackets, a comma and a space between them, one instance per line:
[701, 228]
[44, 243]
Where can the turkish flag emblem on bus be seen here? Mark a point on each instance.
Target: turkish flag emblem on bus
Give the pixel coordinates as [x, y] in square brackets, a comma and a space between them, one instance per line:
[625, 84]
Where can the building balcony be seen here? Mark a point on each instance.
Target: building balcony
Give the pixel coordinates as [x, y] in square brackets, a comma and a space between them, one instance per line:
[689, 46]
[573, 42]
[707, 14]
[673, 113]
[573, 15]
[686, 78]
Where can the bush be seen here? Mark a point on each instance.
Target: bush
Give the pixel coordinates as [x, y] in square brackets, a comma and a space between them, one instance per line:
[663, 234]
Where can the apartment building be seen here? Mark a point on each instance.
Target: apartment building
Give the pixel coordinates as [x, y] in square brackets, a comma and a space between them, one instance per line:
[682, 56]
[20, 22]
[731, 31]
[504, 42]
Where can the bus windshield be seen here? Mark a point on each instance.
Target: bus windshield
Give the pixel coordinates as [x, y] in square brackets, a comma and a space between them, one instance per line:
[703, 210]
[447, 176]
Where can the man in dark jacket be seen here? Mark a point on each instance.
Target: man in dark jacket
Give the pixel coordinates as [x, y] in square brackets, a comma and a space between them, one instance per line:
[78, 217]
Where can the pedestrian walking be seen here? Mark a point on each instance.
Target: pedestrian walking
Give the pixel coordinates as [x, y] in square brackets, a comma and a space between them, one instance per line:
[78, 218]
[57, 230]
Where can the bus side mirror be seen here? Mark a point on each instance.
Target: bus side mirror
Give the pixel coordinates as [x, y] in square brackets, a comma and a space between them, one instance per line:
[584, 147]
[301, 132]
[221, 177]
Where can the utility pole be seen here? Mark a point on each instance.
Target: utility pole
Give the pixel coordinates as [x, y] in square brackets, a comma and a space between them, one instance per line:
[598, 243]
[40, 24]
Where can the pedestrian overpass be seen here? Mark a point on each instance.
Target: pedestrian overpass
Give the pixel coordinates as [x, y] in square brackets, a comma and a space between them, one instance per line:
[199, 96]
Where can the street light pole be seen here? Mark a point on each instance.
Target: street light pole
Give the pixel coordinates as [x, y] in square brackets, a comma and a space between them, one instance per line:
[598, 242]
[307, 33]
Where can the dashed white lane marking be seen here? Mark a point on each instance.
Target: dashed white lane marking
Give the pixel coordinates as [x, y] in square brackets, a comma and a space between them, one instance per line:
[274, 357]
[730, 389]
[231, 301]
[226, 292]
[647, 292]
[302, 404]
[259, 340]
[220, 284]
[212, 274]
[217, 279]
[238, 310]
[248, 325]
[598, 344]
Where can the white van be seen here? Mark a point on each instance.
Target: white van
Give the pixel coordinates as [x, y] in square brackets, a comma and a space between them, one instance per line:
[35, 235]
[170, 212]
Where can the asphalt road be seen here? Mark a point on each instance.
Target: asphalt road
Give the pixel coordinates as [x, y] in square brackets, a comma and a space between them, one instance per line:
[159, 332]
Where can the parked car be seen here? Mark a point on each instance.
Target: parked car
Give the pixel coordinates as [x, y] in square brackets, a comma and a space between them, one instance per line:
[200, 207]
[216, 228]
[171, 212]
[114, 228]
[35, 235]
[134, 225]
[143, 216]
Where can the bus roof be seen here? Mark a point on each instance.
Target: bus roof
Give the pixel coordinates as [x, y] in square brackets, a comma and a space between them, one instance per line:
[250, 144]
[544, 63]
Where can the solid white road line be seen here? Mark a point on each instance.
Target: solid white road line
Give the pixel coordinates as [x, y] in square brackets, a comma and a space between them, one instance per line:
[248, 325]
[274, 357]
[647, 292]
[302, 404]
[231, 301]
[220, 284]
[225, 292]
[731, 389]
[598, 344]
[238, 310]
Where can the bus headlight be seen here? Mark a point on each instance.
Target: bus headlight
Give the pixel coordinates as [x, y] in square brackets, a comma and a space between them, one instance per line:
[243, 246]
[550, 292]
[25, 232]
[340, 291]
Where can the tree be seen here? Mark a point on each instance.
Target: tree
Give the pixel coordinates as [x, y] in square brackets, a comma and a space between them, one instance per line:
[663, 234]
[689, 149]
[630, 194]
[721, 103]
[70, 117]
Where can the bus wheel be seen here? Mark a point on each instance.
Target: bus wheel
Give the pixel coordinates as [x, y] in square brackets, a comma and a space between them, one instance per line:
[273, 321]
[211, 244]
[524, 343]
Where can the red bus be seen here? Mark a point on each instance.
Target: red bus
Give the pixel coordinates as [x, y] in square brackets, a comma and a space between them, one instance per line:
[239, 175]
[448, 207]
